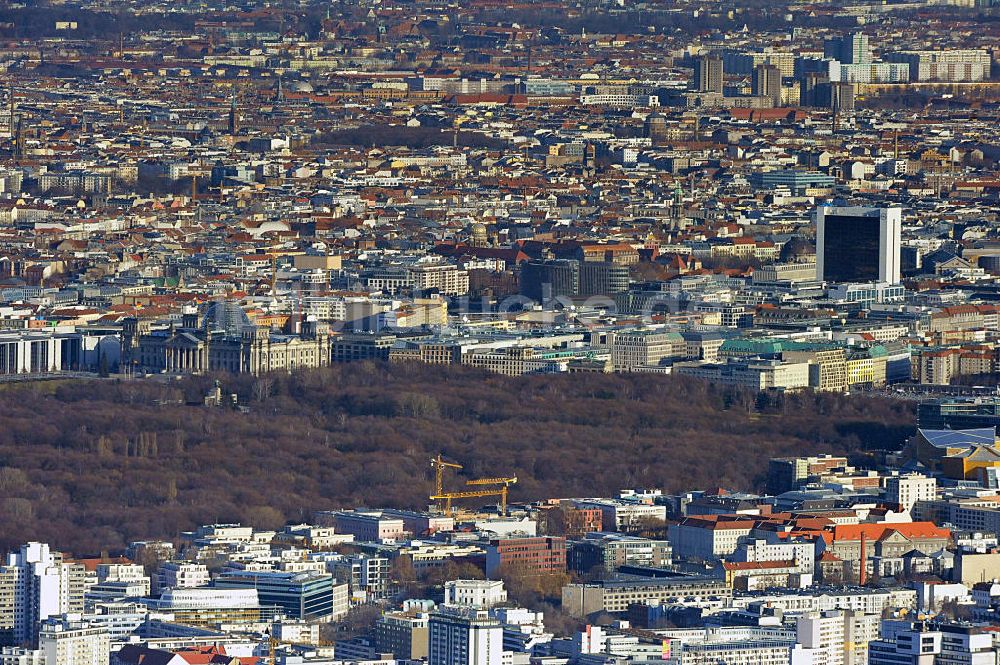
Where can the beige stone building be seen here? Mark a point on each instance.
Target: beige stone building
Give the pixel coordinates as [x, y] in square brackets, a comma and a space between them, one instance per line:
[222, 339]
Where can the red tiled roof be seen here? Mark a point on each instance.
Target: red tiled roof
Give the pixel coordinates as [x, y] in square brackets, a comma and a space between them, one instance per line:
[756, 565]
[875, 532]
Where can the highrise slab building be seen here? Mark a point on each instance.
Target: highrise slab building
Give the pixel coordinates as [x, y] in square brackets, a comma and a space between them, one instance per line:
[834, 637]
[465, 638]
[841, 96]
[850, 49]
[950, 65]
[855, 244]
[708, 74]
[35, 584]
[73, 642]
[766, 82]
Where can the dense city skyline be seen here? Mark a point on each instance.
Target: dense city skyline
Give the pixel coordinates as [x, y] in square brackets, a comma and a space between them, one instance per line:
[493, 332]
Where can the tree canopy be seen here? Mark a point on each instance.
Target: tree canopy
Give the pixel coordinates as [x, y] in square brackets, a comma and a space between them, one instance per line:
[92, 465]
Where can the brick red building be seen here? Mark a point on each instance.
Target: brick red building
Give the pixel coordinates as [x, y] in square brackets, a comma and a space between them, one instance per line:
[581, 521]
[543, 554]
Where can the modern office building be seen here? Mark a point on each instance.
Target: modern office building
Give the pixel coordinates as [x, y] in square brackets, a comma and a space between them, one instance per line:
[120, 620]
[909, 648]
[708, 74]
[403, 634]
[756, 374]
[909, 489]
[542, 554]
[809, 83]
[542, 281]
[790, 273]
[766, 82]
[788, 473]
[115, 591]
[181, 575]
[740, 645]
[622, 515]
[855, 244]
[208, 606]
[837, 96]
[308, 595]
[443, 277]
[366, 575]
[610, 551]
[641, 348]
[796, 181]
[295, 631]
[906, 643]
[21, 656]
[865, 600]
[616, 595]
[864, 295]
[464, 638]
[603, 278]
[959, 413]
[366, 525]
[350, 347]
[39, 351]
[478, 594]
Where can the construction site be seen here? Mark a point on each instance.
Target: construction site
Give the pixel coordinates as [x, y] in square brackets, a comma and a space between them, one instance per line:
[498, 486]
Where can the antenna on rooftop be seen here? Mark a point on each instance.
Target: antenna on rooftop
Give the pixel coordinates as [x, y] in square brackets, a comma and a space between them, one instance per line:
[233, 120]
[18, 140]
[10, 108]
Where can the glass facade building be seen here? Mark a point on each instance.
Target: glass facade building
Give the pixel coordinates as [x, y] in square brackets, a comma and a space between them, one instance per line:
[306, 596]
[855, 244]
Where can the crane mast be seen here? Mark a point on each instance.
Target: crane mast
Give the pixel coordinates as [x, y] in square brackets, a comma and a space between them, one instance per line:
[444, 498]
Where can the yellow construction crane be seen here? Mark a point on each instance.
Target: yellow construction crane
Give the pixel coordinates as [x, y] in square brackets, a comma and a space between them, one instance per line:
[272, 647]
[492, 481]
[444, 498]
[439, 466]
[504, 482]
